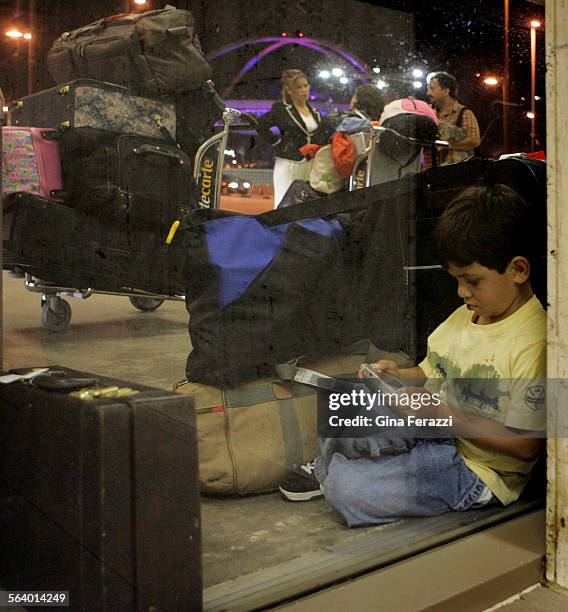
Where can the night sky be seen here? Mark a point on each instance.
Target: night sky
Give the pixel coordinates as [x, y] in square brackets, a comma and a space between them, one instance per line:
[464, 38]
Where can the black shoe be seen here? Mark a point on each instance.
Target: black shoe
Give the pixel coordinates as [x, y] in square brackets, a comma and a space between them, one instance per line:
[301, 485]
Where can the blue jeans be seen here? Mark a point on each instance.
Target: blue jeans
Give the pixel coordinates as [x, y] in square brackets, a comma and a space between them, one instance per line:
[374, 481]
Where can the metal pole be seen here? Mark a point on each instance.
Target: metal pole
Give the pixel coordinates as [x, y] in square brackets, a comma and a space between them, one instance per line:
[533, 88]
[30, 68]
[31, 21]
[505, 84]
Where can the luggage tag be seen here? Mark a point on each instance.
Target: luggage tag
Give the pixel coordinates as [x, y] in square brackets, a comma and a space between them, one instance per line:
[21, 374]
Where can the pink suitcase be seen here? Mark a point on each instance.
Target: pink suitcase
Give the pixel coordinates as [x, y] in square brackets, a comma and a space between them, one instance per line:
[30, 161]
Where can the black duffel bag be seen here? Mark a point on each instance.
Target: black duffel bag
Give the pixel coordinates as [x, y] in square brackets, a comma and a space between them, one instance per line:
[153, 53]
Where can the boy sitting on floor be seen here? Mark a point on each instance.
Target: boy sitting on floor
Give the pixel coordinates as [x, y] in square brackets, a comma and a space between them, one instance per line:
[495, 341]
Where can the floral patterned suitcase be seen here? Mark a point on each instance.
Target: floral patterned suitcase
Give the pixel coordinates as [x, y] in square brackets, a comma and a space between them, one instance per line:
[30, 161]
[90, 103]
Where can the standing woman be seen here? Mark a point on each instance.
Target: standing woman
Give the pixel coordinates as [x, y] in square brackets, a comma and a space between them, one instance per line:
[296, 120]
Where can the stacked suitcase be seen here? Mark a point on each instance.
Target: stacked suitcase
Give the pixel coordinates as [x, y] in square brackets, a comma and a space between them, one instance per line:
[121, 186]
[103, 156]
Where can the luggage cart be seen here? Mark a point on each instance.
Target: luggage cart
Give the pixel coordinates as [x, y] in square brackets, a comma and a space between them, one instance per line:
[208, 167]
[56, 311]
[371, 167]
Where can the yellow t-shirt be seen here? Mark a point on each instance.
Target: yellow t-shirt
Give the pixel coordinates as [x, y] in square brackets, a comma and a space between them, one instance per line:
[502, 367]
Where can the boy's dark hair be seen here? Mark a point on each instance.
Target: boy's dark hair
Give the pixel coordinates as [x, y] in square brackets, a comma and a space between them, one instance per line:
[487, 225]
[370, 101]
[447, 81]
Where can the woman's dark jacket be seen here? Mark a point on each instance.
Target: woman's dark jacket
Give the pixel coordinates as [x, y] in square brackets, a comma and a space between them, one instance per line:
[293, 131]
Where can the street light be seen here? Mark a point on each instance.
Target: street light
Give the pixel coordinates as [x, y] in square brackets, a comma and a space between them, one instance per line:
[18, 35]
[534, 25]
[491, 81]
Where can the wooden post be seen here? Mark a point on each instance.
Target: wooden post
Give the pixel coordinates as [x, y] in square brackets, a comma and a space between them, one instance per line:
[557, 355]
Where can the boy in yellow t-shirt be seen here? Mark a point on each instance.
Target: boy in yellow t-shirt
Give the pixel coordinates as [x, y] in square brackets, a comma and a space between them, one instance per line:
[487, 361]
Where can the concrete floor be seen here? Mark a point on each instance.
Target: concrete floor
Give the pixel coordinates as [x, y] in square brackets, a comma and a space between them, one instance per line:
[108, 336]
[538, 599]
[241, 537]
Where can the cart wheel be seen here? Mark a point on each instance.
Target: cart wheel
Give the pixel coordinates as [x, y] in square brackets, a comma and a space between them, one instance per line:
[145, 304]
[55, 314]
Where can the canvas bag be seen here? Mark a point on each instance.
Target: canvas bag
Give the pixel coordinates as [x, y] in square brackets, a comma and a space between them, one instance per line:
[324, 176]
[249, 435]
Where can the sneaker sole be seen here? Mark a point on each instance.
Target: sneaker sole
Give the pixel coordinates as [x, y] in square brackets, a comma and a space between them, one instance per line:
[300, 497]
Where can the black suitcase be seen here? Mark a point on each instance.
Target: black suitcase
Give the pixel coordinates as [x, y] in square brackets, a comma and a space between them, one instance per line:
[99, 496]
[124, 177]
[66, 247]
[90, 103]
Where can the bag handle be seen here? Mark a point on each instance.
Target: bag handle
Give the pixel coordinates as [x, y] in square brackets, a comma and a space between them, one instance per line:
[148, 149]
[178, 31]
[292, 373]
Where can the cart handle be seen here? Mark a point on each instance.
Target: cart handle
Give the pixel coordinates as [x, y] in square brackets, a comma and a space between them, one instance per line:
[417, 141]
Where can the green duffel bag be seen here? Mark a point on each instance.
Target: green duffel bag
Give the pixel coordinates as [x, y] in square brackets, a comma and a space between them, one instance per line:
[250, 435]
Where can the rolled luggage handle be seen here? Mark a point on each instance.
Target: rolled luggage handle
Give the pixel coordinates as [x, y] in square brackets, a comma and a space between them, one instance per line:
[148, 149]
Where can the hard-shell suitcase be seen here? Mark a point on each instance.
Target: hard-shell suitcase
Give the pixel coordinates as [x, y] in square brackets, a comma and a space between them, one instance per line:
[69, 248]
[90, 103]
[130, 178]
[155, 52]
[30, 161]
[99, 493]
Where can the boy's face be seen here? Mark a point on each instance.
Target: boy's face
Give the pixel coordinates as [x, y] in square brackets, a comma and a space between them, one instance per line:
[492, 296]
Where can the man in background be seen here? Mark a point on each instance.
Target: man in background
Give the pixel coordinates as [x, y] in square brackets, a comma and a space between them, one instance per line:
[458, 124]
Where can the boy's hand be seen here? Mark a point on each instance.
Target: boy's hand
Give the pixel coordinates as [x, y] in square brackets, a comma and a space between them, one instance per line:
[384, 365]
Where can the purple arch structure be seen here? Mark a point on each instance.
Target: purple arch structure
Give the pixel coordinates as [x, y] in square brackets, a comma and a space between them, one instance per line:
[321, 46]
